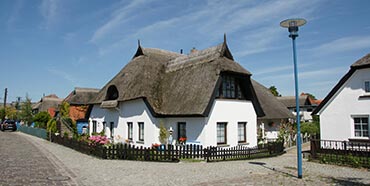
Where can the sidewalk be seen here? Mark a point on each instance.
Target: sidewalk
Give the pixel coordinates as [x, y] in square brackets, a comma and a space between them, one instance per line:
[281, 170]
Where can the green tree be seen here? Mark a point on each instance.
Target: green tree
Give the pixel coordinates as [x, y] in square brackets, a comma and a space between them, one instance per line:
[41, 119]
[52, 126]
[8, 112]
[26, 111]
[2, 113]
[163, 135]
[274, 91]
[309, 128]
[64, 117]
[64, 109]
[311, 96]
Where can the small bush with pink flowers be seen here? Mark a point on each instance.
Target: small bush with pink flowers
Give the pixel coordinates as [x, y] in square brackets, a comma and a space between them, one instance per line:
[99, 140]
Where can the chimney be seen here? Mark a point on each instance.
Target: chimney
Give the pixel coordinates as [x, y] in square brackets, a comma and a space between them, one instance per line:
[193, 50]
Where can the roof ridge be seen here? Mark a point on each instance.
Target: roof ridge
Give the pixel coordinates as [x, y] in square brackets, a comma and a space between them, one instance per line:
[196, 57]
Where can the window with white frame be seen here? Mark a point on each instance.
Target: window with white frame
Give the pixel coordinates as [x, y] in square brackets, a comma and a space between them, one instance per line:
[181, 126]
[111, 128]
[141, 131]
[94, 126]
[221, 133]
[361, 124]
[129, 130]
[242, 132]
[367, 86]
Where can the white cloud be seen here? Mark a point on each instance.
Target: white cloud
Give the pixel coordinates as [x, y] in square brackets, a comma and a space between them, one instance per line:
[63, 75]
[49, 10]
[258, 21]
[317, 74]
[344, 44]
[118, 17]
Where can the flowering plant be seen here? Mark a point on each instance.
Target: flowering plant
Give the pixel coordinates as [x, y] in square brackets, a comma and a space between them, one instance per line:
[99, 140]
[182, 139]
[155, 145]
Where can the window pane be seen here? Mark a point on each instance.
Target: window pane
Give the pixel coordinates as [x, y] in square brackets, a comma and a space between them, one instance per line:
[141, 131]
[182, 130]
[366, 133]
[221, 133]
[130, 130]
[357, 120]
[357, 133]
[241, 132]
[365, 120]
[361, 125]
[111, 129]
[367, 86]
[358, 127]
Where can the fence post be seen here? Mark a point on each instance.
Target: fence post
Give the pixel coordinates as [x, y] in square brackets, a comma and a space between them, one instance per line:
[313, 148]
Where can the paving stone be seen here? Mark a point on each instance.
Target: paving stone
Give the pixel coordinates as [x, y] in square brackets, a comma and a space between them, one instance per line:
[22, 163]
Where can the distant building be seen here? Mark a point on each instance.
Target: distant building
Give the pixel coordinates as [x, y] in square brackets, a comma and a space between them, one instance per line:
[49, 103]
[306, 106]
[79, 100]
[276, 113]
[79, 109]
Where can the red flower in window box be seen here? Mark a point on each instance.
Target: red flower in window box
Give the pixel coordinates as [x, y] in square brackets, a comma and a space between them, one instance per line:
[182, 140]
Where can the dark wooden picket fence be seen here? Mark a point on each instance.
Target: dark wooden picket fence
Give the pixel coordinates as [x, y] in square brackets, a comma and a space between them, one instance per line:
[354, 153]
[161, 153]
[170, 153]
[81, 146]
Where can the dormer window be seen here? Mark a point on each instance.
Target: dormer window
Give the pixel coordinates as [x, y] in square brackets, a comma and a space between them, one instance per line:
[112, 93]
[230, 88]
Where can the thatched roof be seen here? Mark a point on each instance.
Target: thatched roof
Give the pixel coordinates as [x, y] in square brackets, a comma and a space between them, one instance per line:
[81, 96]
[272, 107]
[362, 63]
[174, 84]
[50, 101]
[289, 101]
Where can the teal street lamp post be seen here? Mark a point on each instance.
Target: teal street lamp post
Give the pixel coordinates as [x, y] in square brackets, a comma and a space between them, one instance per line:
[292, 25]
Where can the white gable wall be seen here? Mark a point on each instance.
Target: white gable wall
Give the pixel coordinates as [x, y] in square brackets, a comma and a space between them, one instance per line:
[232, 112]
[336, 118]
[129, 111]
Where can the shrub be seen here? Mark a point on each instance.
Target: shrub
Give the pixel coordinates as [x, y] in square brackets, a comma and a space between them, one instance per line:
[99, 140]
[309, 128]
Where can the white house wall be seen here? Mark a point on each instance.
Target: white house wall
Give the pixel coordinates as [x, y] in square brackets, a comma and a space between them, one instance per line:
[336, 119]
[231, 112]
[198, 129]
[129, 111]
[195, 130]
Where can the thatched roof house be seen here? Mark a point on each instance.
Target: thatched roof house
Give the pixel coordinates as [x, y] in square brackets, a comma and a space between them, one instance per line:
[289, 101]
[174, 84]
[81, 96]
[48, 103]
[272, 107]
[79, 100]
[205, 96]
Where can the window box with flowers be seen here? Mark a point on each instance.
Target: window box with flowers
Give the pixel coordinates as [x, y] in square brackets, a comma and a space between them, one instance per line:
[182, 140]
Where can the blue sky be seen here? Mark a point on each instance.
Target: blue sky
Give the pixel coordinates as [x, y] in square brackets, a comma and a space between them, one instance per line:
[52, 46]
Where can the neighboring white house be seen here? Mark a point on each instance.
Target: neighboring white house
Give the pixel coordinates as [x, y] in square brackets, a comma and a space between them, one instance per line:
[204, 96]
[276, 113]
[345, 111]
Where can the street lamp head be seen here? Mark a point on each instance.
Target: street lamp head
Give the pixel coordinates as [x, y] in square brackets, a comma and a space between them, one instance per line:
[292, 25]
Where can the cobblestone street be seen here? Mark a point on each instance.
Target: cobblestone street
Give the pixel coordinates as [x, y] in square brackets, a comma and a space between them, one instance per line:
[22, 163]
[30, 161]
